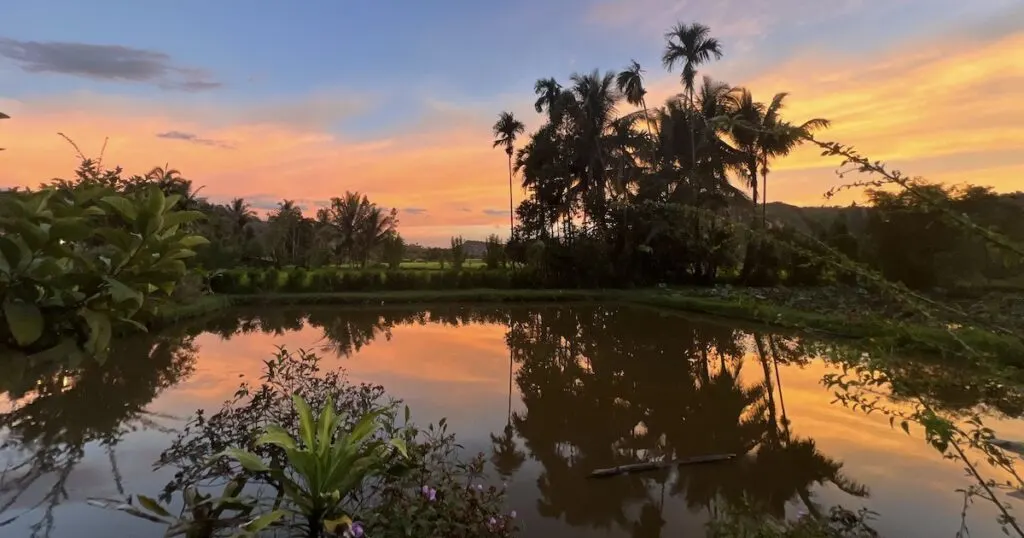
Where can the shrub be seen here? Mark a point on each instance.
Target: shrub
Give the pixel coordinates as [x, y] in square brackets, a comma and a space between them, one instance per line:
[298, 279]
[79, 262]
[393, 250]
[458, 252]
[494, 255]
[427, 492]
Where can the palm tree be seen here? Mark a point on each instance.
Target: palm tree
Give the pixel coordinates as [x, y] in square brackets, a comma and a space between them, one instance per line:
[375, 226]
[506, 130]
[690, 45]
[240, 213]
[747, 117]
[549, 94]
[630, 83]
[591, 104]
[779, 138]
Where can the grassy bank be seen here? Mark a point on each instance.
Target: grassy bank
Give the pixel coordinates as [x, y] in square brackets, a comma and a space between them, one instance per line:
[877, 328]
[843, 323]
[421, 296]
[200, 306]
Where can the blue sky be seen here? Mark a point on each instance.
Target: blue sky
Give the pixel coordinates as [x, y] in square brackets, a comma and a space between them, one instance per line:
[398, 52]
[355, 87]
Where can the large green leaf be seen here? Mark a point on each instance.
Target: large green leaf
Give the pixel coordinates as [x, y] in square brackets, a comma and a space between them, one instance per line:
[152, 506]
[276, 435]
[307, 425]
[119, 238]
[178, 218]
[16, 251]
[155, 202]
[25, 321]
[71, 229]
[99, 331]
[122, 206]
[326, 424]
[120, 292]
[366, 426]
[264, 521]
[400, 445]
[191, 241]
[248, 460]
[34, 235]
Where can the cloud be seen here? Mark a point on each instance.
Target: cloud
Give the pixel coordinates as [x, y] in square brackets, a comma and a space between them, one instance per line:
[945, 108]
[105, 62]
[193, 138]
[414, 210]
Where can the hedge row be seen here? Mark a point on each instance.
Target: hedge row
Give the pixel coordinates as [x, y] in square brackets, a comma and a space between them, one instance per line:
[247, 280]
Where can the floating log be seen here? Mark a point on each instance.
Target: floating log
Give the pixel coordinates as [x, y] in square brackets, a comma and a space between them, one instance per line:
[653, 465]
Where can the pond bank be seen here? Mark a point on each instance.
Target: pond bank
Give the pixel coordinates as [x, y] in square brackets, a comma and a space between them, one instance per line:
[846, 321]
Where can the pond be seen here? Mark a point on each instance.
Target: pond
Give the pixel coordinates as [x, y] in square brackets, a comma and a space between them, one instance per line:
[548, 392]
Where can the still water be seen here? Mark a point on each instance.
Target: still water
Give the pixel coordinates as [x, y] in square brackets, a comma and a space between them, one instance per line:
[549, 393]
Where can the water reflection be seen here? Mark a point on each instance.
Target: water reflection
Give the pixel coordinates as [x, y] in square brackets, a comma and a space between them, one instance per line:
[587, 387]
[604, 388]
[55, 410]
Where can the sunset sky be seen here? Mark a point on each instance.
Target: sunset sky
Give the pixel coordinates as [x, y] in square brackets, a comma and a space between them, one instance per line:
[305, 100]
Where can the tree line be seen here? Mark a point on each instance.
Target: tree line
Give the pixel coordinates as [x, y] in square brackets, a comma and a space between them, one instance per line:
[670, 193]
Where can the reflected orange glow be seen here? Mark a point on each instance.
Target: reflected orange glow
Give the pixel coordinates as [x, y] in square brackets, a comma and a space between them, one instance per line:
[462, 373]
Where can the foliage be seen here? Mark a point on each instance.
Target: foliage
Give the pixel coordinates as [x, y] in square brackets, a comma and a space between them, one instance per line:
[840, 523]
[458, 252]
[325, 464]
[81, 261]
[376, 463]
[452, 501]
[394, 250]
[328, 280]
[494, 255]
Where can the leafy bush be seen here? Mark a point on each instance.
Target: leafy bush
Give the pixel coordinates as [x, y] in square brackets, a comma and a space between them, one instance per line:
[81, 262]
[429, 490]
[393, 250]
[458, 252]
[494, 255]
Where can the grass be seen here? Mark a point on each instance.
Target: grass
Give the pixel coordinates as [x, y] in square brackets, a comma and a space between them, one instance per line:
[879, 329]
[471, 263]
[876, 328]
[419, 296]
[200, 306]
[417, 265]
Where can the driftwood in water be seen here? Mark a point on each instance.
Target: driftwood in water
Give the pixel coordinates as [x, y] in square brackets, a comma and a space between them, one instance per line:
[652, 465]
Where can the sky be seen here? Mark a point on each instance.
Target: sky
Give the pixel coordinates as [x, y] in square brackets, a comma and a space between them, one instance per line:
[306, 100]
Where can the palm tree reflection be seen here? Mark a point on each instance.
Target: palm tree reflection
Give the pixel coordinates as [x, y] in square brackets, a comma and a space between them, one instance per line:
[606, 386]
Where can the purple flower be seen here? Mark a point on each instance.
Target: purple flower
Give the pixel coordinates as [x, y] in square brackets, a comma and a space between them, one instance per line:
[356, 530]
[492, 522]
[432, 495]
[512, 514]
[479, 487]
[425, 489]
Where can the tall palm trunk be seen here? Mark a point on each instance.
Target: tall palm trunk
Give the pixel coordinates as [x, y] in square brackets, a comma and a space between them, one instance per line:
[511, 219]
[693, 141]
[764, 192]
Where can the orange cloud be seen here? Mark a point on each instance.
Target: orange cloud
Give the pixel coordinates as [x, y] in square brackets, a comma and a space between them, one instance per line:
[450, 172]
[945, 109]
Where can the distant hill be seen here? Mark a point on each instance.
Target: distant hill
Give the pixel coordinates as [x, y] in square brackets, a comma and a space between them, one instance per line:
[809, 218]
[474, 249]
